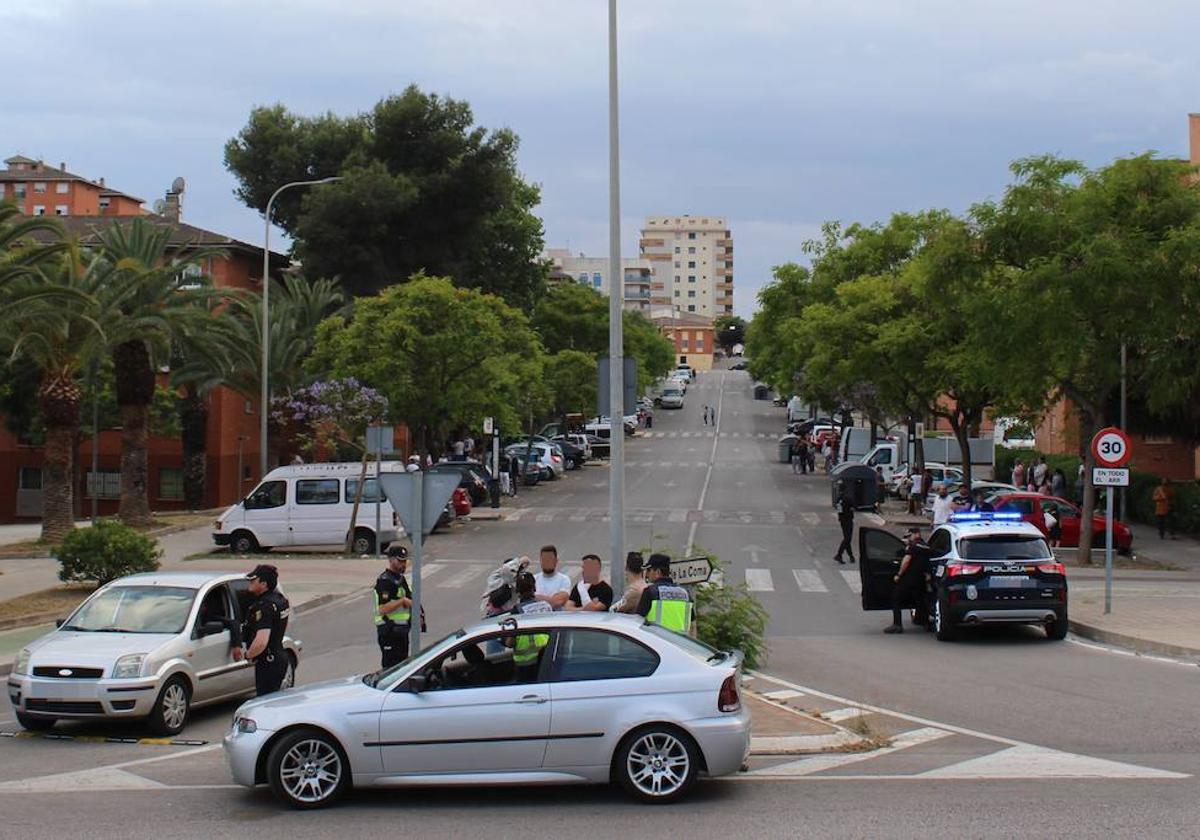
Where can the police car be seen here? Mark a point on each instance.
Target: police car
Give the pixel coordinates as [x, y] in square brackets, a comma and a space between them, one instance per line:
[985, 568]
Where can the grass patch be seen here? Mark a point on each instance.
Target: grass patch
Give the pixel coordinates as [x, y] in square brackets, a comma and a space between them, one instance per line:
[59, 600]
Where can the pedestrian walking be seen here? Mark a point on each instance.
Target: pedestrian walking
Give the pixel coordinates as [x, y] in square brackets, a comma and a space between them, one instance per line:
[634, 584]
[916, 495]
[880, 489]
[908, 585]
[705, 415]
[1040, 470]
[1058, 484]
[1053, 528]
[393, 608]
[1162, 506]
[796, 455]
[663, 601]
[263, 630]
[514, 470]
[845, 514]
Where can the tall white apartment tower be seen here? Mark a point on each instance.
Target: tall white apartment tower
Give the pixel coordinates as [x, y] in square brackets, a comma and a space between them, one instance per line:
[692, 258]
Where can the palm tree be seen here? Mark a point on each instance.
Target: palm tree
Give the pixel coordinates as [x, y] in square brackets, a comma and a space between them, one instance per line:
[153, 296]
[20, 255]
[58, 330]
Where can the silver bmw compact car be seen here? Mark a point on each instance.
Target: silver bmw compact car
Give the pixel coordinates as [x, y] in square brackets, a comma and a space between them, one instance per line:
[148, 646]
[557, 698]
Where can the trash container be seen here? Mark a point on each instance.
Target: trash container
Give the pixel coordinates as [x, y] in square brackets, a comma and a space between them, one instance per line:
[761, 392]
[859, 481]
[785, 448]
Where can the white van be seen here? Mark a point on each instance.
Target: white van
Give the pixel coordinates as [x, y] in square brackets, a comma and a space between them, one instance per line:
[308, 504]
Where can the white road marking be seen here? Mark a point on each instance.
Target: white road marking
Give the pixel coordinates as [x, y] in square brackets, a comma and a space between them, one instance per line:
[677, 515]
[1030, 762]
[544, 517]
[516, 515]
[809, 580]
[782, 694]
[712, 458]
[853, 580]
[809, 518]
[428, 570]
[759, 580]
[577, 517]
[776, 517]
[838, 715]
[110, 777]
[818, 763]
[460, 578]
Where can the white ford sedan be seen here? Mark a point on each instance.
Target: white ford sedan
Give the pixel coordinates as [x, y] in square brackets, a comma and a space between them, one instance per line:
[557, 698]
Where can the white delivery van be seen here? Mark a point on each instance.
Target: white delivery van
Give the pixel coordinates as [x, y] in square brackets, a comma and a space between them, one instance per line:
[308, 504]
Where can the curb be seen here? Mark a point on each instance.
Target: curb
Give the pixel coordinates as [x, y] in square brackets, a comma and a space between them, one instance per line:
[8, 553]
[307, 606]
[1133, 643]
[841, 740]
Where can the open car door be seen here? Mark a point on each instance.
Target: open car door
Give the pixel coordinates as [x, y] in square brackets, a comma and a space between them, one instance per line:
[879, 555]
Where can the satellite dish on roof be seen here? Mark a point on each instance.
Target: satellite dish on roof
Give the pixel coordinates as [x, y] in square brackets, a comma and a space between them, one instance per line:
[159, 206]
[178, 185]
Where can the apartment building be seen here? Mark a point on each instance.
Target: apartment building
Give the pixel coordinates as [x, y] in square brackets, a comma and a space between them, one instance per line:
[638, 275]
[41, 190]
[692, 258]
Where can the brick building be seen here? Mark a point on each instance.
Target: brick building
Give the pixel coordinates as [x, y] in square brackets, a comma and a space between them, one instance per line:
[693, 336]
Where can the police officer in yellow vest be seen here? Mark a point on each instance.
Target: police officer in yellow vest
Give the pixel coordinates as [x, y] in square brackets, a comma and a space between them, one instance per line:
[393, 608]
[664, 601]
[527, 646]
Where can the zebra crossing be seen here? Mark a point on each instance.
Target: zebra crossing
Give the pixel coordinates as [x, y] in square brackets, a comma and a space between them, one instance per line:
[709, 434]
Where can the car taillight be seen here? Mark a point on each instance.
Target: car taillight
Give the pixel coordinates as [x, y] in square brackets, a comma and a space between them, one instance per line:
[555, 458]
[729, 699]
[960, 569]
[1051, 568]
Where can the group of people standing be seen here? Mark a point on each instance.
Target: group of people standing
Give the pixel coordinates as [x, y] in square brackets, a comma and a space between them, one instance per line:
[1039, 478]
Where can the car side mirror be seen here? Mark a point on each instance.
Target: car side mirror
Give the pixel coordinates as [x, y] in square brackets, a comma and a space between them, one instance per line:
[212, 628]
[417, 683]
[59, 622]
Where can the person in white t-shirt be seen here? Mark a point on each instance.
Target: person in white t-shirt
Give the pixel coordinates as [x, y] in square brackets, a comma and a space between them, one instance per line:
[553, 586]
[943, 506]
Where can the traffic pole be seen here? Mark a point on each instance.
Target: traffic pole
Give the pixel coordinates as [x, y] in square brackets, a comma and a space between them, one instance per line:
[1108, 549]
[417, 527]
[616, 338]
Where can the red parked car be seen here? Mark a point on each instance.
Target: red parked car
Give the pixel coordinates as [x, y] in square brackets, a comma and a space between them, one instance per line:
[1032, 507]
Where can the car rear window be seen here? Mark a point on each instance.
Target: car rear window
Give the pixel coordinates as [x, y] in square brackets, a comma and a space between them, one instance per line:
[999, 547]
[689, 645]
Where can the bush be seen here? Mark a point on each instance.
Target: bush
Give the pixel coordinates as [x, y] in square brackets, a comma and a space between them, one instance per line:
[730, 618]
[104, 552]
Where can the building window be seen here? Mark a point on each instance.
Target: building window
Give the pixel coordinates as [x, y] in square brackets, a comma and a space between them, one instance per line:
[692, 249]
[29, 478]
[39, 187]
[691, 278]
[691, 293]
[19, 191]
[597, 280]
[39, 209]
[683, 345]
[61, 210]
[676, 278]
[677, 263]
[104, 202]
[170, 483]
[676, 249]
[691, 264]
[691, 307]
[691, 234]
[62, 187]
[700, 344]
[104, 484]
[1, 191]
[676, 293]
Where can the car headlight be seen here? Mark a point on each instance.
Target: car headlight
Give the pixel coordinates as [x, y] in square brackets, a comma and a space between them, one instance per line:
[245, 725]
[21, 666]
[129, 666]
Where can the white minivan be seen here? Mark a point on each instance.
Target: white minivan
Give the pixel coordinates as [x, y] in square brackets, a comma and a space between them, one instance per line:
[308, 504]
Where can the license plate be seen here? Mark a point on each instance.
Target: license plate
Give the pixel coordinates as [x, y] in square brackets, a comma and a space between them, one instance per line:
[1008, 581]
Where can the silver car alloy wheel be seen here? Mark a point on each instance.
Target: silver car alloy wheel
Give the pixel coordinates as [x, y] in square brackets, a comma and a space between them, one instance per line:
[311, 771]
[174, 705]
[658, 764]
[289, 675]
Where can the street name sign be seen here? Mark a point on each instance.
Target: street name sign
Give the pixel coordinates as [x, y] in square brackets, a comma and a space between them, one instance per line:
[1111, 447]
[692, 570]
[1110, 477]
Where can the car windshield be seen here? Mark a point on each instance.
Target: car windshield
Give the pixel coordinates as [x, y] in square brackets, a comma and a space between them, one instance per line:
[387, 678]
[134, 609]
[1003, 547]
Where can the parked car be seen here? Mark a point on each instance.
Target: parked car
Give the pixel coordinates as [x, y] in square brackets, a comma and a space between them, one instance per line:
[305, 504]
[582, 441]
[474, 478]
[672, 397]
[145, 647]
[939, 474]
[461, 712]
[738, 366]
[600, 447]
[986, 569]
[684, 370]
[1033, 506]
[989, 488]
[549, 461]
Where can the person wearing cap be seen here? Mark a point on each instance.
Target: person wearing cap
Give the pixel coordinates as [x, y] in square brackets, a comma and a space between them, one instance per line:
[908, 585]
[393, 608]
[663, 601]
[263, 630]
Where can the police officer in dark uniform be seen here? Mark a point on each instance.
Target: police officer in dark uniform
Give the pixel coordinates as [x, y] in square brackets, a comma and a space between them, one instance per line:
[909, 583]
[845, 514]
[663, 601]
[393, 608]
[263, 630]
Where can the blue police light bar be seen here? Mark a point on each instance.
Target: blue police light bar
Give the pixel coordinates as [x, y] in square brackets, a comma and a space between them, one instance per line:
[985, 516]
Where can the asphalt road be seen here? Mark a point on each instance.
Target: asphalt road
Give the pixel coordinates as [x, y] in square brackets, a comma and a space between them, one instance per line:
[1003, 734]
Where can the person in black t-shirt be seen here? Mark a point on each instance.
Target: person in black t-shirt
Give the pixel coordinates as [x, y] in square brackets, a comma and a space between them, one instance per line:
[591, 592]
[909, 583]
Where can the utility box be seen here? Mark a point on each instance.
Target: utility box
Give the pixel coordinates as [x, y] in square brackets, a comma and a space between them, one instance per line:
[785, 448]
[859, 481]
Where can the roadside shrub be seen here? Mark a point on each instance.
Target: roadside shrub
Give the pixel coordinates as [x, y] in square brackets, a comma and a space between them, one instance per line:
[730, 618]
[104, 552]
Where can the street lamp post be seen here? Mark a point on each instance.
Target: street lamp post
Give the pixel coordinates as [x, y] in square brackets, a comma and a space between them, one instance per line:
[616, 338]
[264, 396]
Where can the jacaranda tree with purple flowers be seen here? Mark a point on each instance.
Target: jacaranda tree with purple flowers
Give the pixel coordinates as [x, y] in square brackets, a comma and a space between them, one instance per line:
[329, 414]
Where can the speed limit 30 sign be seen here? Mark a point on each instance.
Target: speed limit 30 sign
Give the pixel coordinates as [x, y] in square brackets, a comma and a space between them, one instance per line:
[1110, 447]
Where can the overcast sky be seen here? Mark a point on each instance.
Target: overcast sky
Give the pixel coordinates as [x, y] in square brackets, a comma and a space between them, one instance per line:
[776, 114]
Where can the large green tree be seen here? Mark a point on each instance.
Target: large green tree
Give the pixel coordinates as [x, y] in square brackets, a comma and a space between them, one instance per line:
[730, 330]
[425, 189]
[444, 357]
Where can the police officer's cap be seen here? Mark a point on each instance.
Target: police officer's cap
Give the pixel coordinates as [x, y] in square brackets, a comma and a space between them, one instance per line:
[398, 551]
[914, 530]
[266, 573]
[661, 562]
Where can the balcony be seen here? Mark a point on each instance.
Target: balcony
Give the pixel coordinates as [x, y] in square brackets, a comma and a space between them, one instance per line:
[725, 243]
[652, 243]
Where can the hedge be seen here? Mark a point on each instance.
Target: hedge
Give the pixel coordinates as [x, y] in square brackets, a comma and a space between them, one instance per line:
[1185, 514]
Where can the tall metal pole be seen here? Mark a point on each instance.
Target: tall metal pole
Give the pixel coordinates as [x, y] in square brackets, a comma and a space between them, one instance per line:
[616, 338]
[95, 488]
[417, 534]
[265, 389]
[1124, 427]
